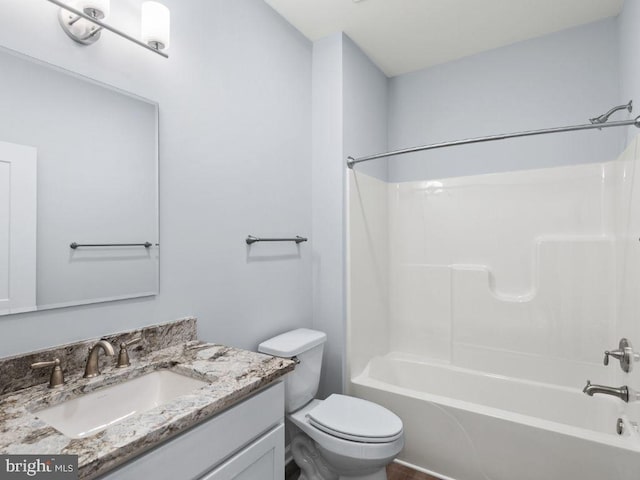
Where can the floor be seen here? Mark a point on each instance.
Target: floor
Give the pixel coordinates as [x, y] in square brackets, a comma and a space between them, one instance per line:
[291, 471]
[395, 471]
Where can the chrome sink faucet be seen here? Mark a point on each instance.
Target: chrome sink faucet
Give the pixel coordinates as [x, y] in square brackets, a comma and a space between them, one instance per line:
[92, 369]
[624, 393]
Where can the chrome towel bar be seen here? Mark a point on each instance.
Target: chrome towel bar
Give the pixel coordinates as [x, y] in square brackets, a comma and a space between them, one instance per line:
[75, 245]
[298, 239]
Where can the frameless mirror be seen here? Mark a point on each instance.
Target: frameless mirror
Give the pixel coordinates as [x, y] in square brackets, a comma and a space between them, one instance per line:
[78, 189]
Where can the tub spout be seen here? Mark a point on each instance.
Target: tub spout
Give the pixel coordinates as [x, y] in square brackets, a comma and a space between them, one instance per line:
[622, 393]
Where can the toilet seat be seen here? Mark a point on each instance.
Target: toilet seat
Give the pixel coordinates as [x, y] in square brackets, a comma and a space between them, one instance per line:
[347, 448]
[356, 420]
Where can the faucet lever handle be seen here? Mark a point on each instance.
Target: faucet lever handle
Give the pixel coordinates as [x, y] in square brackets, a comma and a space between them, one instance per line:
[625, 354]
[130, 342]
[57, 376]
[123, 356]
[617, 354]
[50, 363]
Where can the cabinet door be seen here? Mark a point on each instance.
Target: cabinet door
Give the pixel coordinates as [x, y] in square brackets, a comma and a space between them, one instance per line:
[262, 460]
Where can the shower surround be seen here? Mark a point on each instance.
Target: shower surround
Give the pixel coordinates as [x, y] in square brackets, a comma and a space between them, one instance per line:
[479, 306]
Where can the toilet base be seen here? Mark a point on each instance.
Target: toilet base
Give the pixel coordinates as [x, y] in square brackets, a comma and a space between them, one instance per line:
[313, 465]
[308, 458]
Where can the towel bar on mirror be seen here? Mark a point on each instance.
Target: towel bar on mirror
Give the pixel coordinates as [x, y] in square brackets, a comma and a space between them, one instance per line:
[75, 245]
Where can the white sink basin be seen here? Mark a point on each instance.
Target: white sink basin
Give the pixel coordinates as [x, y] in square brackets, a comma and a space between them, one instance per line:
[93, 412]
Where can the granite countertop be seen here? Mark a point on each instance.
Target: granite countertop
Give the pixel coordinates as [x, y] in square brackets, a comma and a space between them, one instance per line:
[232, 375]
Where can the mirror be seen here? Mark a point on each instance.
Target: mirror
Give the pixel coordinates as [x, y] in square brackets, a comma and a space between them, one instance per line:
[78, 189]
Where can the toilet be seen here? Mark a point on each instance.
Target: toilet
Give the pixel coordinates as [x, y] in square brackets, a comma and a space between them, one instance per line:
[342, 437]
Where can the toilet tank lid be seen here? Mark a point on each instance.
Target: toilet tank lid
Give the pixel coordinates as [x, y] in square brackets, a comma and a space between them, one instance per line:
[292, 343]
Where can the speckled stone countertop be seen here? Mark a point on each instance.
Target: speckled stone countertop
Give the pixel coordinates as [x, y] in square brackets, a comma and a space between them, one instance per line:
[232, 375]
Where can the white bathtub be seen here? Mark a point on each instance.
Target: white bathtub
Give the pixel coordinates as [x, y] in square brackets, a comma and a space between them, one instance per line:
[466, 425]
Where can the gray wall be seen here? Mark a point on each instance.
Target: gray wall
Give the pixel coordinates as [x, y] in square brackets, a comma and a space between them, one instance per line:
[629, 46]
[365, 109]
[559, 79]
[349, 117]
[628, 324]
[328, 208]
[235, 159]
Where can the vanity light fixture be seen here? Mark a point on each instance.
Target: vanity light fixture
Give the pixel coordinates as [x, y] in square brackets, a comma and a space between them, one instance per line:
[156, 21]
[84, 20]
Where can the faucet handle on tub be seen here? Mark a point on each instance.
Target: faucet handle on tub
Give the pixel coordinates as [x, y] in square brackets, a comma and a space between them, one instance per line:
[57, 377]
[614, 354]
[625, 354]
[123, 356]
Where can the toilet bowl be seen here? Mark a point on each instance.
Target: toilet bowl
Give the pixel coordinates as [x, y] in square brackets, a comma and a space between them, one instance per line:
[359, 448]
[341, 437]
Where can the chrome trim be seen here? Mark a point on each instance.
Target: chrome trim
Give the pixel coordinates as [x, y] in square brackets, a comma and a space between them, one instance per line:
[56, 380]
[106, 26]
[92, 369]
[624, 354]
[605, 116]
[298, 239]
[75, 245]
[123, 355]
[622, 393]
[351, 161]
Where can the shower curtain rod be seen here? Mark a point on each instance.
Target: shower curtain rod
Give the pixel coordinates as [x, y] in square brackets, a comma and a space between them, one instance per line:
[625, 123]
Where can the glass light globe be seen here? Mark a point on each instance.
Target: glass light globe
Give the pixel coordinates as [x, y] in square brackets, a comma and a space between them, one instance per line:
[156, 24]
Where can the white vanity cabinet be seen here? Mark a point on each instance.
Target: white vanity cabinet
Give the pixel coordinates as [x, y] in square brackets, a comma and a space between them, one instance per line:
[245, 442]
[263, 459]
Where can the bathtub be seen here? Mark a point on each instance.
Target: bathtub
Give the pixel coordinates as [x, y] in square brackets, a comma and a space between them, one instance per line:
[462, 424]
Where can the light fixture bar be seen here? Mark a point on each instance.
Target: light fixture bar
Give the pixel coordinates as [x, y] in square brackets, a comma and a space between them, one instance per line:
[106, 26]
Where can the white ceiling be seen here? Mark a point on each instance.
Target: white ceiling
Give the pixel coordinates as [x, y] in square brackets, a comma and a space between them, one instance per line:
[401, 36]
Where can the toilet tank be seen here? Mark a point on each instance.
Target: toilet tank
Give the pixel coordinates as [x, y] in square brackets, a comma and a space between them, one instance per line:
[306, 346]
